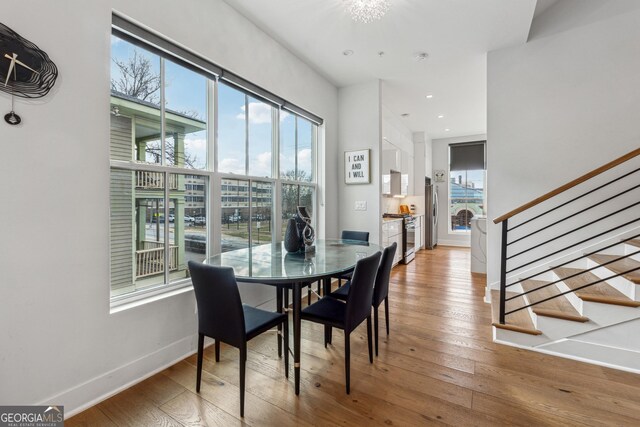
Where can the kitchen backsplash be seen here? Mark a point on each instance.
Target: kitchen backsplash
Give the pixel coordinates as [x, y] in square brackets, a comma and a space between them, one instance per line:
[392, 205]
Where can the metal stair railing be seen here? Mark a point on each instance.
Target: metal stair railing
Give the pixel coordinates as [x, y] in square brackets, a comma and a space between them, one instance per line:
[505, 257]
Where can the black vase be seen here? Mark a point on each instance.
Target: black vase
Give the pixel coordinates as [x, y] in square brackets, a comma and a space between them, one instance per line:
[292, 237]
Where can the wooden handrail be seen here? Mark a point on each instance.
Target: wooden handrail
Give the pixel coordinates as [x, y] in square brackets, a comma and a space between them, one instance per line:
[569, 185]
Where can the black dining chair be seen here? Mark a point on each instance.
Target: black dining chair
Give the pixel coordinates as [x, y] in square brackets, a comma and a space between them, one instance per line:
[223, 317]
[333, 313]
[362, 236]
[380, 289]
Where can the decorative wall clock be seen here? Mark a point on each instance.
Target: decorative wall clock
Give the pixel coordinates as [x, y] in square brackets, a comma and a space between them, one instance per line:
[25, 70]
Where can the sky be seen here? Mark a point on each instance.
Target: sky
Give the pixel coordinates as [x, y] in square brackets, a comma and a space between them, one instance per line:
[186, 92]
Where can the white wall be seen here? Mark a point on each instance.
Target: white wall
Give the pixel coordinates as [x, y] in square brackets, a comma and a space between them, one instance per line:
[59, 343]
[360, 121]
[561, 105]
[441, 162]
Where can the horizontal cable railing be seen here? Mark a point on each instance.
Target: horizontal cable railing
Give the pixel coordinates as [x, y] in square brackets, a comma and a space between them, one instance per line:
[547, 235]
[572, 290]
[574, 260]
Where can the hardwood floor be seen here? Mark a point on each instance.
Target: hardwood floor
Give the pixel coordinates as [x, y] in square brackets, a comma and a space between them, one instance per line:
[438, 366]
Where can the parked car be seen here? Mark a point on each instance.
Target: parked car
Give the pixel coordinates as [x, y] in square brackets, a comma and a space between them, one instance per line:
[172, 217]
[188, 219]
[200, 220]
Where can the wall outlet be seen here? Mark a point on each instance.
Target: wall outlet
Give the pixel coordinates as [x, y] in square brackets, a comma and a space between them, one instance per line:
[361, 205]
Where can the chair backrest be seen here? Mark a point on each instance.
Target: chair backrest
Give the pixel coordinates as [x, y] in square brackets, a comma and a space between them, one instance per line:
[381, 289]
[220, 313]
[361, 291]
[355, 235]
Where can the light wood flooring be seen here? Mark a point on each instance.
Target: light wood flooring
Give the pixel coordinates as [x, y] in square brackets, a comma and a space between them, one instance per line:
[438, 366]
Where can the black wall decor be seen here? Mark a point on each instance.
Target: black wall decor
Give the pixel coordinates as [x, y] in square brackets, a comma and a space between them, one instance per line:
[33, 73]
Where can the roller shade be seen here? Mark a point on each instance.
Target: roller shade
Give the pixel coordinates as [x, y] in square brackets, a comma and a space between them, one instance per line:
[147, 39]
[467, 156]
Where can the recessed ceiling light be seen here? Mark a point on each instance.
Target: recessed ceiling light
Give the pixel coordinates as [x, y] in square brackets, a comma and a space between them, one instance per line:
[347, 52]
[441, 116]
[405, 115]
[429, 96]
[447, 130]
[381, 54]
[420, 56]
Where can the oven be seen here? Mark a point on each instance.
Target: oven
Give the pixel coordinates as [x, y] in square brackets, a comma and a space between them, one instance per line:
[409, 240]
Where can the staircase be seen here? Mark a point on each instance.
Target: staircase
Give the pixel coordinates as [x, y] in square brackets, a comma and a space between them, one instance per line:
[570, 269]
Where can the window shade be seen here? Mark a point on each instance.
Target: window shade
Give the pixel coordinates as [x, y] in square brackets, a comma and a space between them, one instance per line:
[160, 46]
[468, 156]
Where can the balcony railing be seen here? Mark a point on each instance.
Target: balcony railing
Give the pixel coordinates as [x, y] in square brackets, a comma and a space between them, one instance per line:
[155, 180]
[151, 261]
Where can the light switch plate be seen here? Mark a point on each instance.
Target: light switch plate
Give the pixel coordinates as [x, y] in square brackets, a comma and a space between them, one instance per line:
[361, 205]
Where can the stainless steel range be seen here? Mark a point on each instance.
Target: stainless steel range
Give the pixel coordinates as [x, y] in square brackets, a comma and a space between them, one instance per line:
[409, 241]
[408, 236]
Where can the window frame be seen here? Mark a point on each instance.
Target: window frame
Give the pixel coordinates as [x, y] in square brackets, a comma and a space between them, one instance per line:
[212, 177]
[450, 229]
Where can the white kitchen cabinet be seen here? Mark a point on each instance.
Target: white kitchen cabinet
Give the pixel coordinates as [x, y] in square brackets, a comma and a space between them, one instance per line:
[392, 232]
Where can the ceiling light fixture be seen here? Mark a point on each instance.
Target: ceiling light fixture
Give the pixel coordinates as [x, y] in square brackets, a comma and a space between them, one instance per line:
[347, 52]
[447, 130]
[420, 56]
[366, 11]
[429, 96]
[405, 115]
[441, 116]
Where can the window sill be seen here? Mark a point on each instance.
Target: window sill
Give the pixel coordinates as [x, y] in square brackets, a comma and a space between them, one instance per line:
[137, 299]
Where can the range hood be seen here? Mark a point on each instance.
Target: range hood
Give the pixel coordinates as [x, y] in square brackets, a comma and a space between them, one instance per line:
[392, 183]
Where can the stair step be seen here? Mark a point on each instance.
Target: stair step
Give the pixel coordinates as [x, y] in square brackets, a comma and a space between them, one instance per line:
[634, 242]
[520, 321]
[600, 292]
[621, 266]
[558, 307]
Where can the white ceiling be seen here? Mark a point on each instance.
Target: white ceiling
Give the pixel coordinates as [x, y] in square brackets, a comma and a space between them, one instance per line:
[456, 34]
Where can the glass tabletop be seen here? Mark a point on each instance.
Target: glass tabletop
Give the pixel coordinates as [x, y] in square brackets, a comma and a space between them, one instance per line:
[272, 263]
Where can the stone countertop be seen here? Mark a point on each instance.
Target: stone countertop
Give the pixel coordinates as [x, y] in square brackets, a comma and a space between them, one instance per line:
[391, 219]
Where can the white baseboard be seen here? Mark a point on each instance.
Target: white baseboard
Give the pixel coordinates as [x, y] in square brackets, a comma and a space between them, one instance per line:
[454, 243]
[95, 390]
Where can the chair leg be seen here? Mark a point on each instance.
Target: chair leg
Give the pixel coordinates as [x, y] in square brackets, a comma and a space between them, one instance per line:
[309, 294]
[217, 345]
[386, 312]
[243, 363]
[339, 282]
[200, 351]
[369, 339]
[327, 335]
[286, 347]
[347, 361]
[375, 327]
[319, 288]
[279, 310]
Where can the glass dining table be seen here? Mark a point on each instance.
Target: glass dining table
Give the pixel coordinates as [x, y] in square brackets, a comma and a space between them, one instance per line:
[271, 264]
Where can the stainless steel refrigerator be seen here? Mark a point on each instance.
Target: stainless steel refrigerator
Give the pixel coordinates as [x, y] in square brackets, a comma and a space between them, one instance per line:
[431, 214]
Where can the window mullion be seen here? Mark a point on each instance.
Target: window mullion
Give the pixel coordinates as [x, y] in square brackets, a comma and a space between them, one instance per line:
[295, 144]
[163, 128]
[246, 134]
[214, 184]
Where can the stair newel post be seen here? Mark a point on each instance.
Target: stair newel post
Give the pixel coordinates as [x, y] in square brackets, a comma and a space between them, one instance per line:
[503, 270]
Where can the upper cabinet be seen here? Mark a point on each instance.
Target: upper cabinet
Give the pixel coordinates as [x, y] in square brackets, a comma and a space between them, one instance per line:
[397, 155]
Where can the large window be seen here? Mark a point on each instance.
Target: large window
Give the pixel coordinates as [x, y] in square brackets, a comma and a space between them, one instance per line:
[467, 183]
[162, 145]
